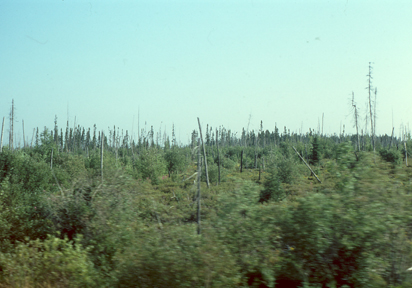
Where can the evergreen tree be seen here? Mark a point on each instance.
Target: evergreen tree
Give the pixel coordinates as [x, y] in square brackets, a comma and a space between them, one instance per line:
[276, 136]
[315, 157]
[94, 136]
[61, 139]
[56, 131]
[272, 188]
[37, 137]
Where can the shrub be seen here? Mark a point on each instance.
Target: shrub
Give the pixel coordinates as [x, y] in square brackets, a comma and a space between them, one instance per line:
[151, 165]
[175, 257]
[391, 156]
[51, 263]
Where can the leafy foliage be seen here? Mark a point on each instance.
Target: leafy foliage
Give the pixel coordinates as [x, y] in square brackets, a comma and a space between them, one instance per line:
[53, 262]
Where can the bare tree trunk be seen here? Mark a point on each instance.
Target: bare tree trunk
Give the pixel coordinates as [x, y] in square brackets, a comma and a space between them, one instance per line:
[204, 152]
[24, 139]
[241, 162]
[51, 160]
[32, 137]
[1, 141]
[363, 141]
[263, 163]
[218, 157]
[374, 120]
[199, 173]
[307, 165]
[323, 114]
[101, 154]
[356, 119]
[390, 143]
[370, 104]
[406, 154]
[11, 144]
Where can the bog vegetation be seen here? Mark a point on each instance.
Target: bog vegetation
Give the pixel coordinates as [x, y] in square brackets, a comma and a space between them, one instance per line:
[266, 221]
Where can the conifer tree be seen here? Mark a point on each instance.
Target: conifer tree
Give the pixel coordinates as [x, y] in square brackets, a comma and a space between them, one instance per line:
[61, 139]
[1, 141]
[37, 137]
[315, 157]
[56, 131]
[11, 137]
[94, 136]
[272, 188]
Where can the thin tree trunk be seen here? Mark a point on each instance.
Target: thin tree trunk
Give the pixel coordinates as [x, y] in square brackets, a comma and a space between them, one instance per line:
[323, 114]
[218, 157]
[363, 141]
[101, 154]
[374, 121]
[307, 165]
[32, 137]
[390, 143]
[24, 139]
[199, 173]
[356, 119]
[204, 152]
[11, 144]
[370, 104]
[1, 141]
[406, 154]
[51, 160]
[241, 162]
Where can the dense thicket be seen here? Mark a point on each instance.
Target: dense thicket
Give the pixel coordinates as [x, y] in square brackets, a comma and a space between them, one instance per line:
[273, 225]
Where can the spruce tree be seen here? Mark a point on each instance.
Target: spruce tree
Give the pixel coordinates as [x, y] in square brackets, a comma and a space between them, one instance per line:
[315, 157]
[272, 188]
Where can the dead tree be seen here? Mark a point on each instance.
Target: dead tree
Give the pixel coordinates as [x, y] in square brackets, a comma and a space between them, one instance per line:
[307, 165]
[370, 104]
[218, 157]
[199, 173]
[101, 154]
[11, 137]
[24, 139]
[1, 141]
[204, 152]
[356, 118]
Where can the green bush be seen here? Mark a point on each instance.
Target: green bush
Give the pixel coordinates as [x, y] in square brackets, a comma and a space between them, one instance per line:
[248, 230]
[22, 214]
[175, 160]
[175, 257]
[151, 165]
[391, 156]
[53, 262]
[227, 163]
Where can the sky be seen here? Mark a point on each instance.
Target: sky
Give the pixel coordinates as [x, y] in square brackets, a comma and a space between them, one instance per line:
[233, 64]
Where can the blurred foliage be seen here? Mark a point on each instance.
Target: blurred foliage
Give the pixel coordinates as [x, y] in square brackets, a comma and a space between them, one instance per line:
[53, 262]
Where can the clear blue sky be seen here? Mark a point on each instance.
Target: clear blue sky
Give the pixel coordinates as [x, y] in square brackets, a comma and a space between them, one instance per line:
[283, 62]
